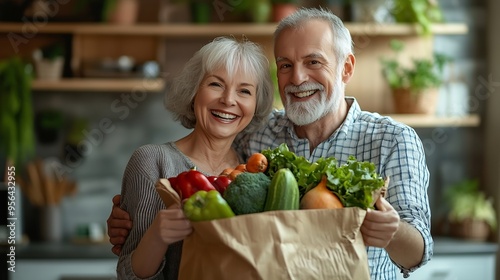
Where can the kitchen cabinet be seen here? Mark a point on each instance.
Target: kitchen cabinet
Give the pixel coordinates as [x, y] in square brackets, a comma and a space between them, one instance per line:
[91, 42]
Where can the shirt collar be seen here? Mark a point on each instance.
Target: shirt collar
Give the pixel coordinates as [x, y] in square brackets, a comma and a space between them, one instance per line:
[352, 115]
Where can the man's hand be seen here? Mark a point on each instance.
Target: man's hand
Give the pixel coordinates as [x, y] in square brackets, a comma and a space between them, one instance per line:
[119, 225]
[380, 226]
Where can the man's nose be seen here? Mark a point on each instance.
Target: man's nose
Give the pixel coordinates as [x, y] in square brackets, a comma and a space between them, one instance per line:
[299, 75]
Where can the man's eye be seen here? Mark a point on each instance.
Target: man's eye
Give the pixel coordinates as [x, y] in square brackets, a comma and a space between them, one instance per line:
[314, 62]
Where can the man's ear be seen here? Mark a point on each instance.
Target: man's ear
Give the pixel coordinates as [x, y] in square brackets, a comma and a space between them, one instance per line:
[348, 68]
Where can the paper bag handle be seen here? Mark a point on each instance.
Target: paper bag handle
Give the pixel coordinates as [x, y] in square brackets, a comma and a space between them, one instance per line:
[167, 193]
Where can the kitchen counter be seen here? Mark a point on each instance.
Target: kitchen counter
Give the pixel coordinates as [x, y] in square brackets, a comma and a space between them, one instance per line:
[442, 246]
[460, 259]
[68, 260]
[451, 246]
[65, 251]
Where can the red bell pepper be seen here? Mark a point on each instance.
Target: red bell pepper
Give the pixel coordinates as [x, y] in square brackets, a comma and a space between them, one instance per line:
[189, 182]
[221, 183]
[212, 179]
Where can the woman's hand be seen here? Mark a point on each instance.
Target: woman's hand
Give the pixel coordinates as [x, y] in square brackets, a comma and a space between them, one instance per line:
[171, 225]
[380, 226]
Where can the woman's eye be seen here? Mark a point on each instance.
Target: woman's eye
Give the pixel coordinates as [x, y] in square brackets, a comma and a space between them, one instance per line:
[245, 91]
[215, 84]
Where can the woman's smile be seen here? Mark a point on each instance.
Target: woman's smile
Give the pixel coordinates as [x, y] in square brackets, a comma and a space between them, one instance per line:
[224, 116]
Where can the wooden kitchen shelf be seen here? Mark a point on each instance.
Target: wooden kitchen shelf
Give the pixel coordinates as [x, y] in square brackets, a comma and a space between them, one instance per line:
[214, 29]
[104, 85]
[90, 42]
[426, 121]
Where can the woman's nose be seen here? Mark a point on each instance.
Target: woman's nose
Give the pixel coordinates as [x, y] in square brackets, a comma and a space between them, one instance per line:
[227, 97]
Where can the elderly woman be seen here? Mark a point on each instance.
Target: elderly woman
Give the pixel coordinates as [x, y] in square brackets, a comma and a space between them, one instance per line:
[224, 89]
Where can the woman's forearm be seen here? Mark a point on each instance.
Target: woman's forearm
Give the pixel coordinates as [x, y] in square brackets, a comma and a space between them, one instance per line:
[148, 256]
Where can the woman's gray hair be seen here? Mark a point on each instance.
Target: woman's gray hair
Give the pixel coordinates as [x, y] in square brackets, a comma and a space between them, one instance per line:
[343, 44]
[231, 55]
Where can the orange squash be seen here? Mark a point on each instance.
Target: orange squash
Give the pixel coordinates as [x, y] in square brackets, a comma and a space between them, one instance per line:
[257, 163]
[320, 197]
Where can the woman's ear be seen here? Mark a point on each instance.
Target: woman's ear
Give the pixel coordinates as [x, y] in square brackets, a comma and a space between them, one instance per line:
[348, 68]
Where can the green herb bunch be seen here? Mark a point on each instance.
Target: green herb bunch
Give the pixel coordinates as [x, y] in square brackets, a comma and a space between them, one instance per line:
[354, 182]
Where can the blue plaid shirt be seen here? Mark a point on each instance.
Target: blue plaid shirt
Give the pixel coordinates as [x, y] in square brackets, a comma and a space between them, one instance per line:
[395, 149]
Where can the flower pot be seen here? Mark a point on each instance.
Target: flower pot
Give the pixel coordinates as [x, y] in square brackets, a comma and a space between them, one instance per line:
[49, 69]
[410, 102]
[476, 230]
[125, 12]
[281, 11]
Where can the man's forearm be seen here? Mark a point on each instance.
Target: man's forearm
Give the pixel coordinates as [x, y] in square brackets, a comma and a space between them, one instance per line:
[407, 246]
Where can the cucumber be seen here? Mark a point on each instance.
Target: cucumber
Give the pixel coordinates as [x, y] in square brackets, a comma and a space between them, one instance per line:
[283, 193]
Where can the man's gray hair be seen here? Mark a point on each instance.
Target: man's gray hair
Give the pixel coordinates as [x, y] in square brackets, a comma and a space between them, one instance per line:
[343, 44]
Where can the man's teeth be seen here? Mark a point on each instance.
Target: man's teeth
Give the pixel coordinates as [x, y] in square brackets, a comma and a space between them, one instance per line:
[224, 115]
[304, 93]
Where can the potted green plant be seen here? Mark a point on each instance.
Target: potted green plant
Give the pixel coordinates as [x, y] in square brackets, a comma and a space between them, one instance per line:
[120, 11]
[258, 11]
[48, 125]
[369, 10]
[75, 137]
[49, 61]
[414, 87]
[201, 11]
[422, 12]
[471, 214]
[17, 145]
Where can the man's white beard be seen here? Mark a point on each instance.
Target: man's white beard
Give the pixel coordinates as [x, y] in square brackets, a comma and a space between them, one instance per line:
[304, 113]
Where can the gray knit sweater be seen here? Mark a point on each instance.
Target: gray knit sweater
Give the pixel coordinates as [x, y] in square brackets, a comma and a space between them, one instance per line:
[139, 198]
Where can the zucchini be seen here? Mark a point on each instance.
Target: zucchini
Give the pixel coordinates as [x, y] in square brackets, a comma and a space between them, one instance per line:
[283, 193]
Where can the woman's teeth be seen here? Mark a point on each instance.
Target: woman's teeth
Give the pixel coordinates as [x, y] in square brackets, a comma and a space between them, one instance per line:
[224, 115]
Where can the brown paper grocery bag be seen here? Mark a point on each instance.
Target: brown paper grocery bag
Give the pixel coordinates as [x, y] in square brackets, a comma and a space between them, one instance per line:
[300, 244]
